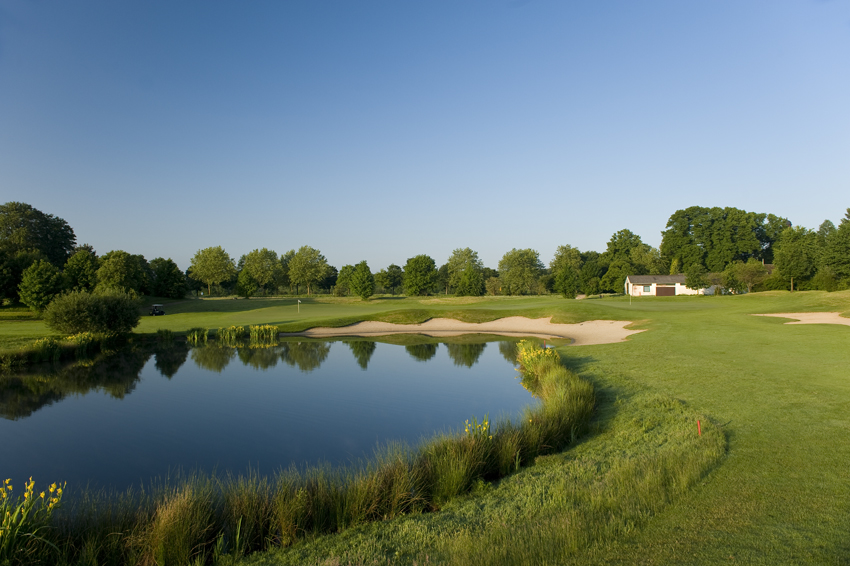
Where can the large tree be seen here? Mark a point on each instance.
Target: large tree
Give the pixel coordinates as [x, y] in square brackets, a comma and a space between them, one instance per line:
[40, 284]
[565, 268]
[796, 254]
[23, 227]
[263, 266]
[627, 255]
[81, 270]
[420, 275]
[519, 271]
[125, 272]
[343, 280]
[362, 281]
[836, 255]
[212, 266]
[460, 260]
[715, 237]
[307, 267]
[168, 280]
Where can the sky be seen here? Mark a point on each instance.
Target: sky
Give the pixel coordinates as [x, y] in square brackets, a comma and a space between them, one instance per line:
[380, 130]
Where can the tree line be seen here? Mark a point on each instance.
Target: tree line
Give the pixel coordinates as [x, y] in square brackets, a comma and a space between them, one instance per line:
[733, 249]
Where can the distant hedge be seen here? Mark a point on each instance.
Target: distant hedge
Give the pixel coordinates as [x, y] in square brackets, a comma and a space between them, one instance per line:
[112, 312]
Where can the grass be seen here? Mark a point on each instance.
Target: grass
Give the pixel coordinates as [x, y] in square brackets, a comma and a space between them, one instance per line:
[633, 490]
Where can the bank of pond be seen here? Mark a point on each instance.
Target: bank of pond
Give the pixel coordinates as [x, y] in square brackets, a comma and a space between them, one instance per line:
[362, 430]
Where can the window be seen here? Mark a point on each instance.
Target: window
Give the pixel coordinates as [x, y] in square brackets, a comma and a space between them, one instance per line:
[647, 288]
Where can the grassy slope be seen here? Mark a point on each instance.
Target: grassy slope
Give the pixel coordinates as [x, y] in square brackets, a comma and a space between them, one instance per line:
[782, 392]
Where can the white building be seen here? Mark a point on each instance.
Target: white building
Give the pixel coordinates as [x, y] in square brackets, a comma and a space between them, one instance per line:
[661, 286]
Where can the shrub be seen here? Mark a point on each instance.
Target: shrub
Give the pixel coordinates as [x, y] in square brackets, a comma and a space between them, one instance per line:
[112, 312]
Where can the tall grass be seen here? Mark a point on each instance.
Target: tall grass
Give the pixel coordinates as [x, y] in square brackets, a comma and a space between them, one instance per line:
[230, 336]
[197, 336]
[198, 519]
[263, 335]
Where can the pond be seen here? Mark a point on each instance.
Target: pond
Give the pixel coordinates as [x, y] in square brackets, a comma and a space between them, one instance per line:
[148, 411]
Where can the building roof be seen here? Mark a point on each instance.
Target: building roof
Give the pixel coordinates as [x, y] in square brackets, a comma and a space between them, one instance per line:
[650, 279]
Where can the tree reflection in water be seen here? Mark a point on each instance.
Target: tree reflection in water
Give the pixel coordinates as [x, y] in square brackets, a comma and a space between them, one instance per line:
[306, 355]
[465, 354]
[508, 351]
[422, 352]
[213, 358]
[115, 373]
[260, 357]
[362, 350]
[170, 356]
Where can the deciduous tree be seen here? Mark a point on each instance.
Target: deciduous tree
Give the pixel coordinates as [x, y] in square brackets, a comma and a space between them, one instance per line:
[81, 270]
[362, 281]
[307, 267]
[168, 280]
[212, 266]
[41, 282]
[263, 266]
[519, 271]
[796, 253]
[420, 275]
[23, 227]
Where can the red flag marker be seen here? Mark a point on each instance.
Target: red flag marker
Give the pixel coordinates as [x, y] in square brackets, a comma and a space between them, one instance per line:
[699, 428]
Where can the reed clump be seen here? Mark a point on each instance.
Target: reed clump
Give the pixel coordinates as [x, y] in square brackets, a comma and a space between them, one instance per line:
[197, 336]
[230, 336]
[263, 335]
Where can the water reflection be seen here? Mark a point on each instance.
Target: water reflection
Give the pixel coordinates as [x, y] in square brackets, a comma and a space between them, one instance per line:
[422, 352]
[114, 373]
[308, 356]
[465, 354]
[260, 357]
[169, 357]
[213, 358]
[508, 350]
[362, 350]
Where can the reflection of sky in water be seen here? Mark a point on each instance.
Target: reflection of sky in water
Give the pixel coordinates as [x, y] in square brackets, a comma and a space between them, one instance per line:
[228, 410]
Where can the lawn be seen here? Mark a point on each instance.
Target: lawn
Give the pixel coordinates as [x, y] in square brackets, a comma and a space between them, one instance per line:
[779, 393]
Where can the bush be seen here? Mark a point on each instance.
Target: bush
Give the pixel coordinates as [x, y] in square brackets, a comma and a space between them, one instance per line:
[79, 311]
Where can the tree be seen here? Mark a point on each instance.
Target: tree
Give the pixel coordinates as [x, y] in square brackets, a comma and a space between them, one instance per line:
[112, 312]
[395, 277]
[837, 253]
[212, 266]
[168, 280]
[566, 269]
[23, 227]
[696, 277]
[41, 282]
[749, 273]
[307, 267]
[263, 266]
[715, 237]
[459, 261]
[471, 282]
[796, 253]
[126, 272]
[329, 280]
[519, 271]
[420, 275]
[81, 270]
[245, 284]
[493, 285]
[626, 255]
[362, 281]
[343, 280]
[382, 280]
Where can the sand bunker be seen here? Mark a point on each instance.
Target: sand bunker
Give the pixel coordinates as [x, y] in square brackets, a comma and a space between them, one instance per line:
[582, 333]
[812, 317]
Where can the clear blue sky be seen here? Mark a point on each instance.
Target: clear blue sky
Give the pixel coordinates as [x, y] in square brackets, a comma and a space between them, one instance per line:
[383, 130]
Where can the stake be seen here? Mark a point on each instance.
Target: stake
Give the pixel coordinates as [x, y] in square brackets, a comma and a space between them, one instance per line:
[299, 306]
[699, 428]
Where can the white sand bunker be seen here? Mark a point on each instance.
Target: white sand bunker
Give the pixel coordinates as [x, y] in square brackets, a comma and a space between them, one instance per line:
[582, 333]
[812, 317]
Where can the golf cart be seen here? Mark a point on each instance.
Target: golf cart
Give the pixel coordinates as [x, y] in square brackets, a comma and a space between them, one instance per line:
[156, 310]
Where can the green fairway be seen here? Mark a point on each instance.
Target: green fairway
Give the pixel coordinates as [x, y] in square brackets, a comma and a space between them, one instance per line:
[780, 394]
